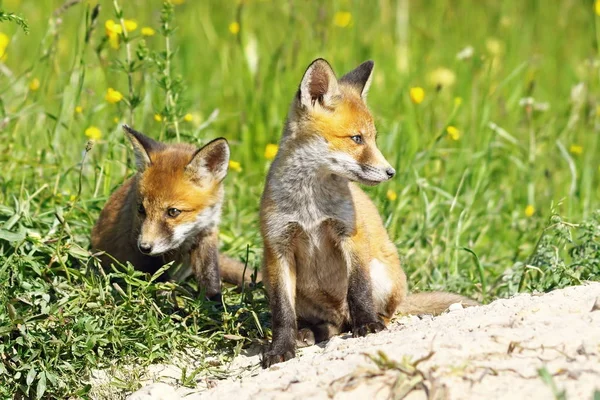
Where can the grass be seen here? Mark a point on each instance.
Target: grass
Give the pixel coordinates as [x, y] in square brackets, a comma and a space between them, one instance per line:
[498, 173]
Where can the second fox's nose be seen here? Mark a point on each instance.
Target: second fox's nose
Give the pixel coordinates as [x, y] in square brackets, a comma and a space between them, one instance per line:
[390, 172]
[145, 248]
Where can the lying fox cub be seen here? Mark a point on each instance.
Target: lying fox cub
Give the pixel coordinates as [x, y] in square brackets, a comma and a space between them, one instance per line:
[329, 264]
[169, 211]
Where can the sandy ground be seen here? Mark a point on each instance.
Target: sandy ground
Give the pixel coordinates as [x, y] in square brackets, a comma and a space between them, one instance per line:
[489, 352]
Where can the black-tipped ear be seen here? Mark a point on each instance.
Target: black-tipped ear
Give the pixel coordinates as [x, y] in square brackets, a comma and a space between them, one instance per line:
[210, 162]
[360, 78]
[319, 85]
[142, 147]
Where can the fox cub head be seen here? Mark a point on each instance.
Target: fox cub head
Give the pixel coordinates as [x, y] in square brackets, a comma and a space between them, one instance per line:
[332, 116]
[179, 190]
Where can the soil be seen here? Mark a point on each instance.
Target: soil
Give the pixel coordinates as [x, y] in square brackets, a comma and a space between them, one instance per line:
[526, 347]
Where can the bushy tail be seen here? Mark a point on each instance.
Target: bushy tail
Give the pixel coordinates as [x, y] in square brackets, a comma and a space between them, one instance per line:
[232, 271]
[433, 303]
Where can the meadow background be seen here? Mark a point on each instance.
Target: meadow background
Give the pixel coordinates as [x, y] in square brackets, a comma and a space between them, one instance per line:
[489, 111]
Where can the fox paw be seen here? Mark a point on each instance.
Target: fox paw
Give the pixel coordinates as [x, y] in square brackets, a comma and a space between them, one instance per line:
[366, 328]
[275, 355]
[305, 337]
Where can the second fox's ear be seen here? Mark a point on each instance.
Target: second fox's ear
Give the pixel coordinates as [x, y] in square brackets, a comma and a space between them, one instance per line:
[143, 146]
[211, 161]
[360, 78]
[319, 85]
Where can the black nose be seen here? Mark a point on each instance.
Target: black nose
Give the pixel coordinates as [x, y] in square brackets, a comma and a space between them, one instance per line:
[145, 248]
[390, 172]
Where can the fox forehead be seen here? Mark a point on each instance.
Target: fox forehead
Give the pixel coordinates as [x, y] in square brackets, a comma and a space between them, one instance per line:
[350, 116]
[165, 182]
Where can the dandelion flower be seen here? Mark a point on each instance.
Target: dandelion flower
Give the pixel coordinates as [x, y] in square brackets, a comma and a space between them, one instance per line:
[453, 132]
[271, 151]
[78, 109]
[113, 96]
[442, 77]
[417, 95]
[147, 31]
[234, 28]
[188, 117]
[391, 195]
[158, 117]
[130, 25]
[342, 19]
[93, 133]
[235, 166]
[34, 84]
[529, 210]
[576, 149]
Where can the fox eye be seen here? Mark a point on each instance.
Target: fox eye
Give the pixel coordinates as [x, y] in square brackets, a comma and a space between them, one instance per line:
[358, 139]
[141, 209]
[173, 212]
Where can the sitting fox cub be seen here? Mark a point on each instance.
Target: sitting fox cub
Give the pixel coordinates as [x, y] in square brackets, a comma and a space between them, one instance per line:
[170, 211]
[329, 265]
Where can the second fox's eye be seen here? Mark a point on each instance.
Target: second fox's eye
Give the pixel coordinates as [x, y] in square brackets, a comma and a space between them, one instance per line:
[141, 209]
[173, 212]
[358, 139]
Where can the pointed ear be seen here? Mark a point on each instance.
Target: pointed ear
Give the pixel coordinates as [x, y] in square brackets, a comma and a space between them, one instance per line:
[360, 78]
[319, 85]
[143, 146]
[210, 162]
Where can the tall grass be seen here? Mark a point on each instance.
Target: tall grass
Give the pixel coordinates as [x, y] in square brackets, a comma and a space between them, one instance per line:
[504, 141]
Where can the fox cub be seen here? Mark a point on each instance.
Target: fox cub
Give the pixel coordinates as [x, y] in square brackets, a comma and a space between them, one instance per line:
[169, 211]
[329, 265]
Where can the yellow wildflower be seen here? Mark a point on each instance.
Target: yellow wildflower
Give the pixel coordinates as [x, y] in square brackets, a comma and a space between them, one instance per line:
[457, 101]
[342, 19]
[4, 41]
[597, 7]
[78, 109]
[271, 151]
[34, 84]
[93, 133]
[116, 120]
[453, 132]
[158, 117]
[234, 28]
[529, 210]
[72, 198]
[177, 2]
[576, 149]
[147, 31]
[494, 46]
[188, 117]
[112, 28]
[391, 195]
[130, 25]
[235, 166]
[113, 96]
[442, 77]
[417, 94]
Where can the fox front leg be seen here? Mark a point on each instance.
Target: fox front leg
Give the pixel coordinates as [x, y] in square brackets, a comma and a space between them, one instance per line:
[280, 279]
[204, 260]
[363, 317]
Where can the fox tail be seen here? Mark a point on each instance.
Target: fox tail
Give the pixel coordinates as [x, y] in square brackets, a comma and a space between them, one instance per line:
[433, 303]
[232, 271]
